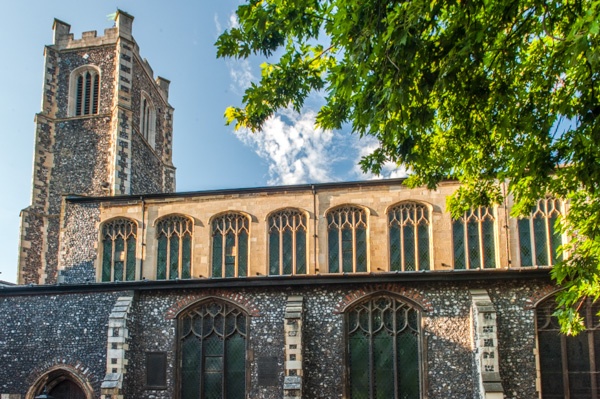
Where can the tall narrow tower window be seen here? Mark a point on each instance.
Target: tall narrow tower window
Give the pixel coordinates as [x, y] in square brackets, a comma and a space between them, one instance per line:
[147, 119]
[85, 91]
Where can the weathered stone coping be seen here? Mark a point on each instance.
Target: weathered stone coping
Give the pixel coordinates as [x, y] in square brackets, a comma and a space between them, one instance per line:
[289, 281]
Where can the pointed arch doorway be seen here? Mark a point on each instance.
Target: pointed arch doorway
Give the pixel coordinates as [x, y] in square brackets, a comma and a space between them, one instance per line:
[62, 382]
[67, 389]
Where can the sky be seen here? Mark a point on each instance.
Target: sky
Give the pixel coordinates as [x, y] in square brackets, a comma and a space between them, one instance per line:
[177, 38]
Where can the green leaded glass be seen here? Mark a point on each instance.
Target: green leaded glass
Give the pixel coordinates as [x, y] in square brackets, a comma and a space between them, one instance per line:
[458, 237]
[288, 252]
[383, 350]
[186, 257]
[274, 253]
[119, 261]
[213, 352]
[555, 237]
[473, 249]
[130, 261]
[347, 250]
[334, 251]
[161, 261]
[409, 248]
[243, 254]
[217, 256]
[287, 242]
[361, 250]
[347, 239]
[118, 250]
[489, 253]
[301, 251]
[174, 257]
[525, 242]
[423, 235]
[541, 243]
[231, 231]
[409, 237]
[107, 260]
[395, 249]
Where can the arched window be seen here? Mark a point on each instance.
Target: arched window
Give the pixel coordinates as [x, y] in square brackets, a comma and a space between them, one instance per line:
[118, 250]
[147, 119]
[474, 240]
[230, 245]
[569, 366]
[212, 351]
[174, 253]
[347, 239]
[383, 336]
[85, 91]
[409, 237]
[287, 242]
[538, 239]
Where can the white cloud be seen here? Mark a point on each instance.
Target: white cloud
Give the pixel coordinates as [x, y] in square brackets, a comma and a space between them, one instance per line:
[389, 170]
[241, 74]
[295, 151]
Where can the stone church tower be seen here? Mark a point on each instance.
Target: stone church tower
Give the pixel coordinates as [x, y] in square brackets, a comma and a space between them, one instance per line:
[105, 129]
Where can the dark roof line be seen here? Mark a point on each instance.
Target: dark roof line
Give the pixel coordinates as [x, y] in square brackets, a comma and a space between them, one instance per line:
[246, 190]
[285, 281]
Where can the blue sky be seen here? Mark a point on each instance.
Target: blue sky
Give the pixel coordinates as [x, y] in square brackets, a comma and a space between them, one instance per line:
[178, 39]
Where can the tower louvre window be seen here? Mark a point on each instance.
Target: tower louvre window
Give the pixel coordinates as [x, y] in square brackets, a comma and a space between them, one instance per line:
[147, 124]
[86, 90]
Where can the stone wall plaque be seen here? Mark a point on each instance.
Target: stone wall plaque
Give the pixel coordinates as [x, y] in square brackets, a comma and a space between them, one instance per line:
[268, 371]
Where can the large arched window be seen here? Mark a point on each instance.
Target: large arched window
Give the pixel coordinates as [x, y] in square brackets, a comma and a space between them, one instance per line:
[409, 237]
[147, 119]
[85, 91]
[212, 351]
[347, 239]
[118, 250]
[569, 366]
[474, 240]
[383, 336]
[230, 245]
[287, 242]
[174, 249]
[538, 239]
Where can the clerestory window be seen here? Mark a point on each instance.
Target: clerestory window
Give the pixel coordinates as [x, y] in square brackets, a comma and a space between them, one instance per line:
[347, 239]
[383, 336]
[85, 91]
[569, 366]
[409, 237]
[230, 245]
[212, 351]
[287, 242]
[174, 243]
[118, 250]
[538, 238]
[474, 239]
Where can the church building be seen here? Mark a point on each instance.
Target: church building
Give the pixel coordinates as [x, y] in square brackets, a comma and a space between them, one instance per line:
[353, 290]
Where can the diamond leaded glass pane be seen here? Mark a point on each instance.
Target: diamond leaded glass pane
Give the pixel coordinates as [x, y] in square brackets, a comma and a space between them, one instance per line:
[458, 237]
[489, 253]
[161, 262]
[347, 239]
[423, 235]
[383, 349]
[541, 243]
[213, 352]
[409, 248]
[174, 257]
[118, 250]
[186, 257]
[395, 249]
[230, 235]
[301, 251]
[274, 253]
[525, 242]
[288, 252]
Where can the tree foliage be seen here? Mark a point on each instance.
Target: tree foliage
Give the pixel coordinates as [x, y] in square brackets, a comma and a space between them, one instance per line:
[479, 91]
